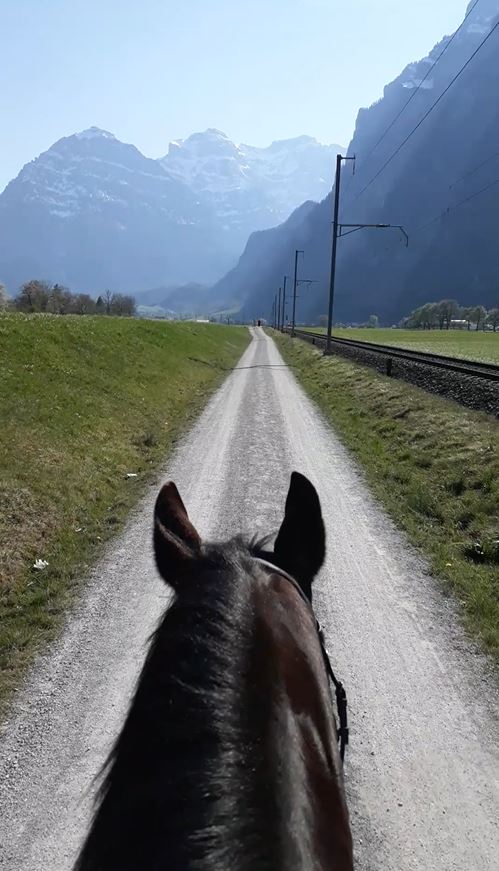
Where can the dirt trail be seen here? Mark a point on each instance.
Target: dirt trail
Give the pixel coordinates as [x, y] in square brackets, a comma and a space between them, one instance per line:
[423, 767]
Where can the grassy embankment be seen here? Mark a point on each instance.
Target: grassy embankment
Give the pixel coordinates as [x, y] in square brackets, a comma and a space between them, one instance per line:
[470, 345]
[433, 464]
[84, 401]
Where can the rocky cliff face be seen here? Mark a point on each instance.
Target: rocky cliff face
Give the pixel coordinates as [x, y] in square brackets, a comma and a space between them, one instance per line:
[443, 186]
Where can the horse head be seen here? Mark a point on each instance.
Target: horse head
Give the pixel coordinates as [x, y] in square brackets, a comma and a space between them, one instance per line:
[228, 757]
[299, 549]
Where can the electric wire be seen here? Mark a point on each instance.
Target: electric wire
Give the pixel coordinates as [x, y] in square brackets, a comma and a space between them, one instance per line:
[429, 111]
[462, 202]
[423, 80]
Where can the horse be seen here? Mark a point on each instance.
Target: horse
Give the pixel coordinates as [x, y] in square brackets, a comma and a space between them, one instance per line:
[228, 759]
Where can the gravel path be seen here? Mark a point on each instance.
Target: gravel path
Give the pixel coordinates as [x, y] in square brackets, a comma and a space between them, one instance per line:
[423, 766]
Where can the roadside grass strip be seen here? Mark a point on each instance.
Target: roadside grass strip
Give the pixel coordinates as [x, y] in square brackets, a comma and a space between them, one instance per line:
[90, 407]
[433, 464]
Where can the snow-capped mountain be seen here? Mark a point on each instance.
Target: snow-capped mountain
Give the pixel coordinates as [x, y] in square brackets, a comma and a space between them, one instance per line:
[275, 180]
[86, 172]
[93, 212]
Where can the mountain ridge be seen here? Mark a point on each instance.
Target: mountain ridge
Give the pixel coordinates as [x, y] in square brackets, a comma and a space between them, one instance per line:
[94, 212]
[455, 256]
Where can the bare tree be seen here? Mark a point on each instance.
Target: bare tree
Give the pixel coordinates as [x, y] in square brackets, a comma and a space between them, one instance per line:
[493, 318]
[481, 316]
[83, 304]
[475, 314]
[122, 305]
[60, 300]
[38, 296]
[130, 307]
[117, 304]
[468, 316]
[33, 296]
[447, 311]
[100, 306]
[108, 301]
[425, 317]
[429, 315]
[3, 296]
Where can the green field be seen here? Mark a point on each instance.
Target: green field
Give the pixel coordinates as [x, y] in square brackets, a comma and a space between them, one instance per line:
[470, 345]
[83, 402]
[432, 463]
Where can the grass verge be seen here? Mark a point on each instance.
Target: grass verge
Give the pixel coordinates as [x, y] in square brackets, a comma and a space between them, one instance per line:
[433, 464]
[83, 402]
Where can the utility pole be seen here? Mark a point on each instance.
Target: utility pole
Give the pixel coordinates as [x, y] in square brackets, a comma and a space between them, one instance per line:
[279, 309]
[345, 230]
[295, 285]
[336, 219]
[283, 318]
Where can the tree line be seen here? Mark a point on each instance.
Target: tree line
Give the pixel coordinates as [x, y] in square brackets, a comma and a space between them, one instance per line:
[440, 316]
[40, 296]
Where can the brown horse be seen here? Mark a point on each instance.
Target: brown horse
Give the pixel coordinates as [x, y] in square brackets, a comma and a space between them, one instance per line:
[228, 759]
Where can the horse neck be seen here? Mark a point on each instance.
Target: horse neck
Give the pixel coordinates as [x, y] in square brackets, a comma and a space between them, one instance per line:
[182, 788]
[306, 766]
[205, 773]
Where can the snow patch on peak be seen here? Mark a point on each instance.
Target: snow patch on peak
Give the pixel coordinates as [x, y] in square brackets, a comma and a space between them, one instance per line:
[213, 133]
[205, 161]
[288, 144]
[210, 135]
[286, 172]
[477, 27]
[424, 84]
[95, 133]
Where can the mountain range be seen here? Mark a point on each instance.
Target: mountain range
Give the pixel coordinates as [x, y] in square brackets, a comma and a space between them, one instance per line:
[442, 185]
[93, 212]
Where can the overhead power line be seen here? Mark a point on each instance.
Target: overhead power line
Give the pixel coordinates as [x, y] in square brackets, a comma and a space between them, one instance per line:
[474, 170]
[429, 112]
[457, 205]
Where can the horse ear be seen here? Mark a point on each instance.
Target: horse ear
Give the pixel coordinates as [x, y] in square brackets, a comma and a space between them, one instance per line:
[176, 542]
[300, 545]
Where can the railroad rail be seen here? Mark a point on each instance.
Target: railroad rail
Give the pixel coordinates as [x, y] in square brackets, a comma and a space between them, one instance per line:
[471, 368]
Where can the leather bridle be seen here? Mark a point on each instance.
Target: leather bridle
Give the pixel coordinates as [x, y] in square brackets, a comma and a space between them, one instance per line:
[341, 696]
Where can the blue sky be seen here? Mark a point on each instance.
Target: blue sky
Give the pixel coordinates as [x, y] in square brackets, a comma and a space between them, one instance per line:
[155, 70]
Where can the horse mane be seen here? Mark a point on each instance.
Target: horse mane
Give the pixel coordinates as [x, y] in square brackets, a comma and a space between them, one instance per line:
[184, 782]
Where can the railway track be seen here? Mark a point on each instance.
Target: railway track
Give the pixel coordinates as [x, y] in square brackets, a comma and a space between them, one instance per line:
[468, 382]
[472, 368]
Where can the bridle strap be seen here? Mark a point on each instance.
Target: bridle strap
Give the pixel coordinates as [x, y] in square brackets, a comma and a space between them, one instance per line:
[341, 696]
[283, 574]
